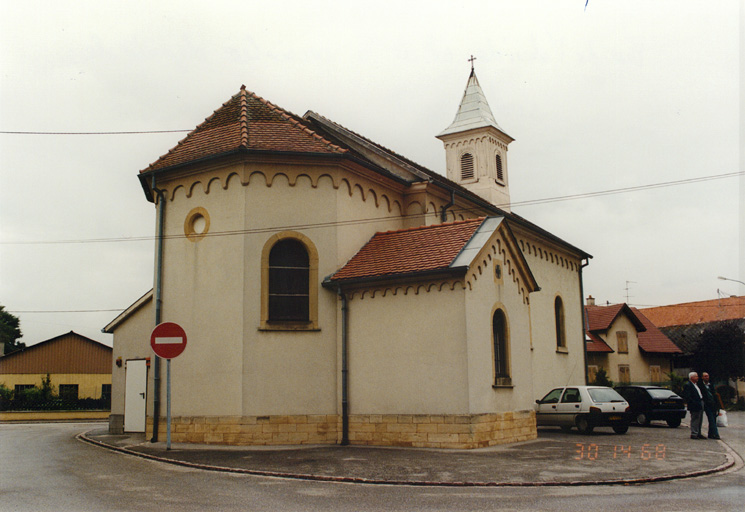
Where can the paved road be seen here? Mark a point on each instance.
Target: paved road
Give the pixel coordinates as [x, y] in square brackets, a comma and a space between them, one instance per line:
[45, 468]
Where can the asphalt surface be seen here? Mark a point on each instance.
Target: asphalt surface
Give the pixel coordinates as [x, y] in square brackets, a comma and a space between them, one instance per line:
[644, 454]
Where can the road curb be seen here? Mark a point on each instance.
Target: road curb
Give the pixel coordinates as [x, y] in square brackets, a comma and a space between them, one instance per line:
[733, 460]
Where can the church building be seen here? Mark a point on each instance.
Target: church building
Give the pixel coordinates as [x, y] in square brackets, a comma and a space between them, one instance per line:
[335, 292]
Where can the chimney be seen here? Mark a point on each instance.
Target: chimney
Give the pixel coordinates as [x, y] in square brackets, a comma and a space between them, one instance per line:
[590, 300]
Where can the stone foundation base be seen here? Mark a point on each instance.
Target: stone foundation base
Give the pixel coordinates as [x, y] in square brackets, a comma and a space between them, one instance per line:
[459, 431]
[251, 430]
[464, 431]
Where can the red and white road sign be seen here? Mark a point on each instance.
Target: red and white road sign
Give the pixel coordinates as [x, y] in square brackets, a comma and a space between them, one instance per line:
[168, 340]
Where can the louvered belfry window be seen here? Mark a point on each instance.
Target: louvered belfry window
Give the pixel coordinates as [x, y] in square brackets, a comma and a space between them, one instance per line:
[289, 271]
[500, 172]
[466, 166]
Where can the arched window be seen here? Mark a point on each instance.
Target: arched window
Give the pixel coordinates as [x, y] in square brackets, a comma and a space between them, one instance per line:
[288, 282]
[500, 171]
[501, 362]
[466, 166]
[561, 342]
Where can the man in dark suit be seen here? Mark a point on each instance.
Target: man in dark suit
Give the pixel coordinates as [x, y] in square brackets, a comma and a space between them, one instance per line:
[695, 402]
[711, 405]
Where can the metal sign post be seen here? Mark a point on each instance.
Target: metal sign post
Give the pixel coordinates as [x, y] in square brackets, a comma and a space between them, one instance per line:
[168, 340]
[168, 404]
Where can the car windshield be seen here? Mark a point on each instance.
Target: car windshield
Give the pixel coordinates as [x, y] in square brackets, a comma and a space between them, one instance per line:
[662, 393]
[553, 396]
[605, 395]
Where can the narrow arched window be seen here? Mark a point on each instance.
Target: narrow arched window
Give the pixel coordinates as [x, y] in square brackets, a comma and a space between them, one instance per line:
[289, 270]
[561, 341]
[501, 363]
[466, 166]
[500, 171]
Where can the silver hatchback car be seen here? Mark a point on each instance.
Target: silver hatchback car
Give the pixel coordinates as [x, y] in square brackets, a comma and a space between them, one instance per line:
[584, 407]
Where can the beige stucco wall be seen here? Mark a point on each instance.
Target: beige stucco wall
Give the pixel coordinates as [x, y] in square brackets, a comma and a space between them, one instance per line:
[639, 362]
[212, 286]
[557, 274]
[487, 293]
[131, 341]
[407, 350]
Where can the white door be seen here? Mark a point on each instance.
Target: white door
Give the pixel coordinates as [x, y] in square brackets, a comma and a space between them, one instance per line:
[135, 392]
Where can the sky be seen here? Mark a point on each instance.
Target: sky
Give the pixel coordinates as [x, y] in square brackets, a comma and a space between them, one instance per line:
[598, 97]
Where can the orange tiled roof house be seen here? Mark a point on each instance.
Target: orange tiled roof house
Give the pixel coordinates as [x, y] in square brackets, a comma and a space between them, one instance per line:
[684, 323]
[627, 345]
[334, 291]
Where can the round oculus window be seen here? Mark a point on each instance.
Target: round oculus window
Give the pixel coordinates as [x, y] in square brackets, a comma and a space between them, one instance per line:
[197, 224]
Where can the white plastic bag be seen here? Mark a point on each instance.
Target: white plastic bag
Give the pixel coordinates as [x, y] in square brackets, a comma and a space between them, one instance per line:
[722, 418]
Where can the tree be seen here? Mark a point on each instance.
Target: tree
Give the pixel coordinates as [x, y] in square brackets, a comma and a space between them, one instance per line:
[720, 351]
[10, 331]
[601, 379]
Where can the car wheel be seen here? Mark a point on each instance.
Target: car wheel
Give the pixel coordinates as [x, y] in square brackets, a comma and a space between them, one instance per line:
[675, 423]
[621, 429]
[583, 425]
[642, 419]
[566, 428]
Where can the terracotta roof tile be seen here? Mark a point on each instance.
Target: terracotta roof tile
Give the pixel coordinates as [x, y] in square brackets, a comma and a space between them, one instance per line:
[246, 121]
[600, 318]
[691, 313]
[596, 344]
[416, 250]
[653, 340]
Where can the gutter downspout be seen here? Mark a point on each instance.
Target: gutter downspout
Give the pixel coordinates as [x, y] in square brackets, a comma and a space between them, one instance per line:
[160, 197]
[444, 209]
[584, 319]
[344, 371]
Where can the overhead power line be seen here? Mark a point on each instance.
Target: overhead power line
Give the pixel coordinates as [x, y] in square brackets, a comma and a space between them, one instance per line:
[531, 202]
[70, 311]
[628, 189]
[91, 133]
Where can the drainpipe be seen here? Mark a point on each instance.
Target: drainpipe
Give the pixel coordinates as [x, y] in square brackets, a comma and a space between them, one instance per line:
[444, 209]
[344, 372]
[584, 319]
[158, 305]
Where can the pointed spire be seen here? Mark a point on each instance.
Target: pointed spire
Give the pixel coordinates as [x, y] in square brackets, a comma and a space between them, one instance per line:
[474, 111]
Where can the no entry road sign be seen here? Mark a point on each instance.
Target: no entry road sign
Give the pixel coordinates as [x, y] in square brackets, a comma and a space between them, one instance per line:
[168, 340]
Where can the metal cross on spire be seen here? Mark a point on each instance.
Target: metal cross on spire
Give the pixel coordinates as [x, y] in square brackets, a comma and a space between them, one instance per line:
[471, 61]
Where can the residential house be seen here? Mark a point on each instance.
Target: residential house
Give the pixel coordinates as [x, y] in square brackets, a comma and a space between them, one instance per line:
[334, 291]
[684, 323]
[627, 345]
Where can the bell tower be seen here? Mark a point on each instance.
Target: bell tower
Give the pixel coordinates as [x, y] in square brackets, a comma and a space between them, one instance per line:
[476, 147]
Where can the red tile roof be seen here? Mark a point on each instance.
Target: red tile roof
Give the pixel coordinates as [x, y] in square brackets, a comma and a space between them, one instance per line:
[653, 340]
[246, 121]
[691, 313]
[596, 344]
[600, 318]
[417, 250]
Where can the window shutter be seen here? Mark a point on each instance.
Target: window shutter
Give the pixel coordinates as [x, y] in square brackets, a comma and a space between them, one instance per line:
[466, 166]
[500, 172]
[623, 342]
